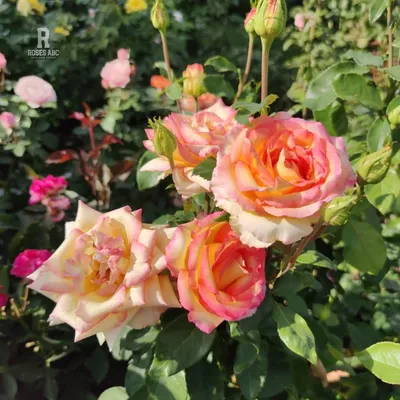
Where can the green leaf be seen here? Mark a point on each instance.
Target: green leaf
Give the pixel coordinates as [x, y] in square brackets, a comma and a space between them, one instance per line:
[174, 92]
[135, 377]
[9, 222]
[295, 333]
[166, 388]
[221, 64]
[147, 180]
[320, 93]
[97, 363]
[26, 372]
[205, 381]
[377, 9]
[353, 87]
[179, 345]
[365, 58]
[383, 360]
[139, 339]
[217, 85]
[246, 354]
[50, 387]
[114, 393]
[393, 105]
[253, 376]
[334, 118]
[316, 259]
[293, 282]
[383, 195]
[205, 168]
[394, 72]
[378, 134]
[364, 247]
[253, 108]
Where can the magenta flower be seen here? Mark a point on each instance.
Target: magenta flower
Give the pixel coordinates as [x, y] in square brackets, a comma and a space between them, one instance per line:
[46, 187]
[3, 297]
[28, 262]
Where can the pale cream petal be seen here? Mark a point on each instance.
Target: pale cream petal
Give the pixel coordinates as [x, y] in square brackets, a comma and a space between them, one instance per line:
[146, 317]
[86, 217]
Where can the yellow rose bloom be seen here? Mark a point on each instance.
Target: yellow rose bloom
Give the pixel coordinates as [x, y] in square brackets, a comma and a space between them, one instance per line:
[25, 7]
[132, 6]
[61, 31]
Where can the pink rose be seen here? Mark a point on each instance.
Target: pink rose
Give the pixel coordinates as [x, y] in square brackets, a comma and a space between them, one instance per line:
[46, 187]
[193, 82]
[219, 278]
[56, 205]
[117, 73]
[28, 262]
[274, 176]
[3, 61]
[188, 104]
[8, 121]
[35, 91]
[3, 297]
[299, 21]
[106, 274]
[198, 137]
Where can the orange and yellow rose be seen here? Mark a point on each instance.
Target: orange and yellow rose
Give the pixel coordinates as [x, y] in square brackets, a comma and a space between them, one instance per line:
[274, 176]
[105, 275]
[219, 278]
[198, 137]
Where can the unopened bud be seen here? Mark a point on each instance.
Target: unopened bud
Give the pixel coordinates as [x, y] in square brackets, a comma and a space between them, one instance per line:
[164, 140]
[193, 82]
[249, 21]
[394, 117]
[270, 19]
[374, 167]
[337, 211]
[159, 16]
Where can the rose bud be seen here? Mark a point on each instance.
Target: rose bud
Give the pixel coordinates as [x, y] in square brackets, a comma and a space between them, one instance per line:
[337, 212]
[374, 167]
[164, 140]
[193, 82]
[394, 117]
[249, 21]
[270, 19]
[159, 16]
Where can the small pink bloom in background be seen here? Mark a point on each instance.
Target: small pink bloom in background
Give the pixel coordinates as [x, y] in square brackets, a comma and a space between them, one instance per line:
[219, 278]
[8, 121]
[117, 73]
[28, 262]
[46, 187]
[206, 100]
[3, 297]
[299, 21]
[159, 82]
[56, 205]
[123, 54]
[193, 82]
[35, 91]
[3, 61]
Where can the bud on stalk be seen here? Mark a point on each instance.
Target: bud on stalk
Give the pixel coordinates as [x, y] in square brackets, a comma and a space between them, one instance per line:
[159, 16]
[337, 212]
[249, 21]
[270, 19]
[394, 117]
[374, 167]
[164, 141]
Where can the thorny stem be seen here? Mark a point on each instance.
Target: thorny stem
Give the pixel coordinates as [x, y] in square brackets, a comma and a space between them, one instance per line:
[248, 68]
[167, 63]
[264, 68]
[390, 33]
[25, 299]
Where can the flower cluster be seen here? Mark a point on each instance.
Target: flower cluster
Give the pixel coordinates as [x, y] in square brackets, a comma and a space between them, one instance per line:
[48, 191]
[28, 262]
